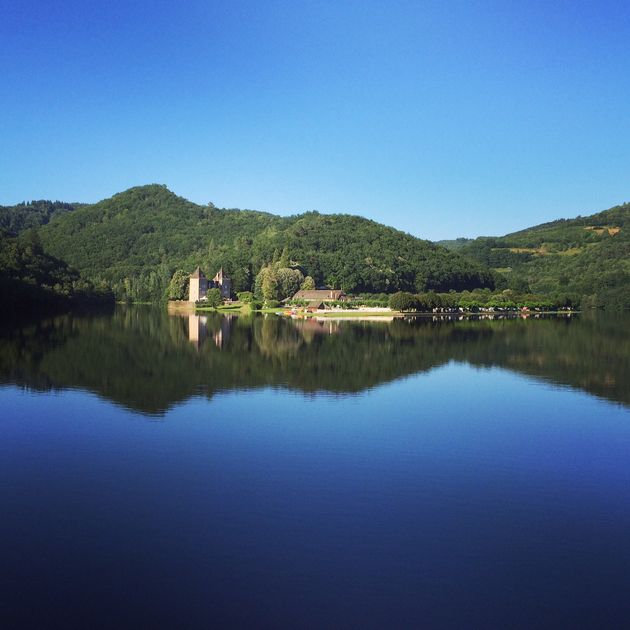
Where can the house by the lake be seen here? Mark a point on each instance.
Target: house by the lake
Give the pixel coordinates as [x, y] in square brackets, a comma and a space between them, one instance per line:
[318, 299]
[199, 285]
[321, 295]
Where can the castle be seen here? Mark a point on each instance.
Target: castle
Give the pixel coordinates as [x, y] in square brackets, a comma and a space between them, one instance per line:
[199, 285]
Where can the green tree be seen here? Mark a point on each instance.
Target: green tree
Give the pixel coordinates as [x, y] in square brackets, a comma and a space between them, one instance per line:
[289, 281]
[284, 261]
[402, 301]
[245, 296]
[269, 287]
[33, 241]
[214, 297]
[178, 286]
[266, 286]
[308, 284]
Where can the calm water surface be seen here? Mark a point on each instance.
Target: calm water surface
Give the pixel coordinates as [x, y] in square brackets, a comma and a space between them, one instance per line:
[178, 472]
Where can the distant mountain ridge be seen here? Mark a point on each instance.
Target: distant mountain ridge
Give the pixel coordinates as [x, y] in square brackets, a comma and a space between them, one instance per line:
[134, 241]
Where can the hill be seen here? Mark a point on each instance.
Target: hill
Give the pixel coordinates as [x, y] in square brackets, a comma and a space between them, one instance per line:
[32, 214]
[135, 240]
[34, 282]
[586, 257]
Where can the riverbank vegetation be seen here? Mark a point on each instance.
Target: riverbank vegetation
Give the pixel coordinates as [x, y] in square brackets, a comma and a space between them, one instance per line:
[477, 300]
[32, 280]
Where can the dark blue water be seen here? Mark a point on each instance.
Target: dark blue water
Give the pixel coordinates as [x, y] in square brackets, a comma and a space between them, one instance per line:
[457, 495]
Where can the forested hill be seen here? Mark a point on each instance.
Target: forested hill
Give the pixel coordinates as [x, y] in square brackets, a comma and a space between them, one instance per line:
[586, 257]
[135, 240]
[32, 214]
[32, 281]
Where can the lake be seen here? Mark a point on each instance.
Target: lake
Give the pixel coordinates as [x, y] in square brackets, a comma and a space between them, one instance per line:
[189, 472]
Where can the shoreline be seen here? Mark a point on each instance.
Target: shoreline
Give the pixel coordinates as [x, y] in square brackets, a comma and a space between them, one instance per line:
[377, 314]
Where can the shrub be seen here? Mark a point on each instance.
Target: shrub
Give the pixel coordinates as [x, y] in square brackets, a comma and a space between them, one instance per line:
[245, 297]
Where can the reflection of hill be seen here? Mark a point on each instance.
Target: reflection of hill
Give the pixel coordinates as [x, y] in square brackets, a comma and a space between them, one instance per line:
[144, 359]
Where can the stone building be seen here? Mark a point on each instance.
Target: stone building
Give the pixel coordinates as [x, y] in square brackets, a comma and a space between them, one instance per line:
[223, 282]
[318, 299]
[199, 285]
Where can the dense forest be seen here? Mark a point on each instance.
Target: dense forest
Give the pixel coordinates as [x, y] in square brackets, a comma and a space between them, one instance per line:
[32, 214]
[32, 280]
[586, 258]
[135, 241]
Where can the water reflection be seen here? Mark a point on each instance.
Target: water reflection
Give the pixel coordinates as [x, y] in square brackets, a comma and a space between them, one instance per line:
[148, 361]
[198, 330]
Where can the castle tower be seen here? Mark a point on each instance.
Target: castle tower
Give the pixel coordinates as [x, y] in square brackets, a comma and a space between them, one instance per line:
[222, 281]
[198, 285]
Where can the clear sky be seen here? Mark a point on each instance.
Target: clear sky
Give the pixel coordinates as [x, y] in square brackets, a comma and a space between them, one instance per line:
[443, 119]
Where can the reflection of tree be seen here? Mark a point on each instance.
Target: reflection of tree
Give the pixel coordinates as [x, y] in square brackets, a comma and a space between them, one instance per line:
[275, 341]
[143, 359]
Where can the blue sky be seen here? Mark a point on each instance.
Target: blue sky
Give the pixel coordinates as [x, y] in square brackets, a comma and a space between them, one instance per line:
[443, 119]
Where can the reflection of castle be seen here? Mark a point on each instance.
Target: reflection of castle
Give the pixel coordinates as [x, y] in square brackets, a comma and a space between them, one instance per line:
[222, 334]
[198, 330]
[319, 327]
[199, 285]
